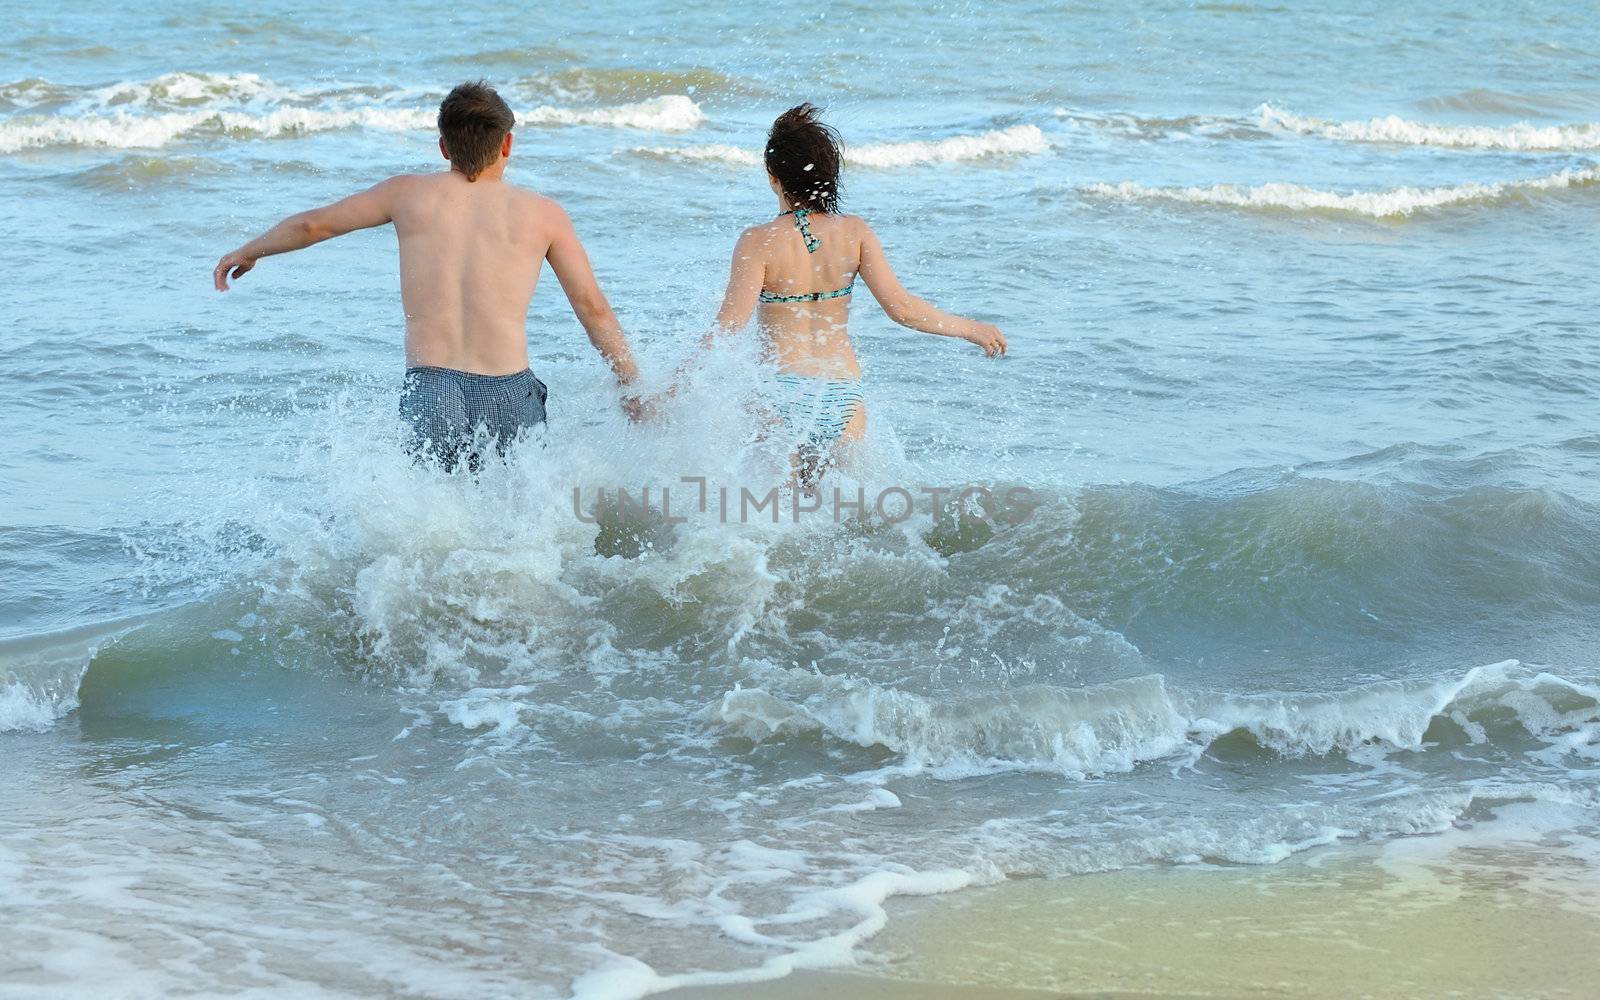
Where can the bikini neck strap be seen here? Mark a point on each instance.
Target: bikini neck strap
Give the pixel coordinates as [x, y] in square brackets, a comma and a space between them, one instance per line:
[802, 222]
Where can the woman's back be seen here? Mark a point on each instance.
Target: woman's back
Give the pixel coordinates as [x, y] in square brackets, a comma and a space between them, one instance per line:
[809, 265]
[798, 274]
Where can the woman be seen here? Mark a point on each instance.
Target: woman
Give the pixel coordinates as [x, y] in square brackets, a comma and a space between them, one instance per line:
[800, 269]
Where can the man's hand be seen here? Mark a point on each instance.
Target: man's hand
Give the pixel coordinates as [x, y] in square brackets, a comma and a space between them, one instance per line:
[372, 207]
[988, 337]
[232, 265]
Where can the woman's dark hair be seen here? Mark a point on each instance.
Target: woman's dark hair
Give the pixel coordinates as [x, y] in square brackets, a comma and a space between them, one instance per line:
[804, 155]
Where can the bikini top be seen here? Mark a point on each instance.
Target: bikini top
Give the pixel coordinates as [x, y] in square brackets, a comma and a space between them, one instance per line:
[812, 243]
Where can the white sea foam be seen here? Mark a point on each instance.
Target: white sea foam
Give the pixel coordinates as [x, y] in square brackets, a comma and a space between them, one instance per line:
[877, 798]
[625, 978]
[155, 113]
[24, 708]
[1019, 140]
[670, 113]
[30, 92]
[186, 89]
[1114, 727]
[169, 91]
[1394, 129]
[478, 712]
[123, 130]
[716, 152]
[1388, 203]
[39, 675]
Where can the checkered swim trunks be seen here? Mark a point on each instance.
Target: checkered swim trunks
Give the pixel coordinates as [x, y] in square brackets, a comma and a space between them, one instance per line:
[446, 410]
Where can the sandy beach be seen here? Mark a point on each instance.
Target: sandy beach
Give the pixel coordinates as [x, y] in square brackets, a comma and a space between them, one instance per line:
[1424, 918]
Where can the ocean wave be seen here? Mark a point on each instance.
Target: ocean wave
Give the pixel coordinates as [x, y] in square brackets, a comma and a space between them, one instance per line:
[178, 91]
[716, 152]
[506, 584]
[1018, 140]
[125, 130]
[671, 113]
[1394, 129]
[1115, 727]
[185, 89]
[31, 92]
[1389, 203]
[1129, 125]
[23, 708]
[122, 130]
[39, 674]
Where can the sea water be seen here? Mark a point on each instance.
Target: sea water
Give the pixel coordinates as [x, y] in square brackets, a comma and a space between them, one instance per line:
[1302, 392]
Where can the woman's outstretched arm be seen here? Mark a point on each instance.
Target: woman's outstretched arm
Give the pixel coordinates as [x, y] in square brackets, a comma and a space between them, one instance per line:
[916, 313]
[745, 279]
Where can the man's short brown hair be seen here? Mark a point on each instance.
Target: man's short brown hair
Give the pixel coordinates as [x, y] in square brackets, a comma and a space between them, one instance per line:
[473, 121]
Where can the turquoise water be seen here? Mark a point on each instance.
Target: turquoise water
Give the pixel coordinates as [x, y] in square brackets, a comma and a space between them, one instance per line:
[1302, 380]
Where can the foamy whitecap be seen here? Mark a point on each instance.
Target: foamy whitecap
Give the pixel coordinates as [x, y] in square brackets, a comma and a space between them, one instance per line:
[671, 113]
[25, 709]
[184, 89]
[125, 130]
[716, 152]
[1389, 203]
[1112, 728]
[39, 674]
[1394, 129]
[30, 92]
[1019, 140]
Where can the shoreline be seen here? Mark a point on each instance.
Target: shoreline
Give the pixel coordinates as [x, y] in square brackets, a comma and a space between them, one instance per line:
[1433, 915]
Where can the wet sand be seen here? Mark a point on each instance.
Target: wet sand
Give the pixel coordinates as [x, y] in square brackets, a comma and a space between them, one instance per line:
[1422, 918]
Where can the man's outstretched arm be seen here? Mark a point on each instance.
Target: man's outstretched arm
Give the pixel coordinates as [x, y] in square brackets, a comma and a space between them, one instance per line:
[571, 265]
[359, 211]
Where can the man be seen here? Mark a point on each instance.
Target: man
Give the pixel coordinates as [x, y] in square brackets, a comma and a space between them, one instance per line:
[471, 249]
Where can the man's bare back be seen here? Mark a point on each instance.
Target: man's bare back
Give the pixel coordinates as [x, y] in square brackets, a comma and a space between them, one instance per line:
[470, 257]
[472, 246]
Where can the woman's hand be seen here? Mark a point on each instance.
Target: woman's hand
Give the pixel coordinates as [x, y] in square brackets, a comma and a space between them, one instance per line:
[638, 409]
[988, 337]
[643, 409]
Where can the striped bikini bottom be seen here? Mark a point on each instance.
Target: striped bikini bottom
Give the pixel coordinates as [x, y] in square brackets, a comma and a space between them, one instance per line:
[815, 409]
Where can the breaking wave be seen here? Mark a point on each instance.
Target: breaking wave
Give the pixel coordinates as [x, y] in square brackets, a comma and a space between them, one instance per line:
[1112, 728]
[169, 91]
[1394, 129]
[122, 130]
[40, 674]
[1019, 140]
[1390, 203]
[129, 131]
[160, 111]
[800, 695]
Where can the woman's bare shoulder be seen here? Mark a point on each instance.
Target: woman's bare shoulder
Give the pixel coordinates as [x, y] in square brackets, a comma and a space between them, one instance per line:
[761, 234]
[855, 225]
